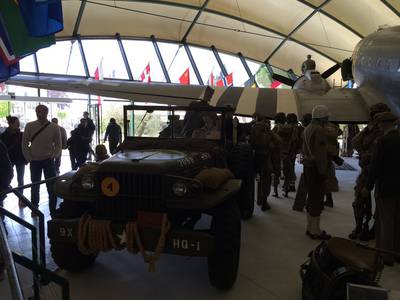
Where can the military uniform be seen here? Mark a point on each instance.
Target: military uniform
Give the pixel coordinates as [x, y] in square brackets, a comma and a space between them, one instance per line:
[316, 168]
[308, 64]
[266, 144]
[364, 142]
[333, 132]
[289, 134]
[384, 175]
[301, 193]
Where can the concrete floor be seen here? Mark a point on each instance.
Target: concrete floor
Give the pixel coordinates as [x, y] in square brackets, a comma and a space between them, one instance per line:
[273, 248]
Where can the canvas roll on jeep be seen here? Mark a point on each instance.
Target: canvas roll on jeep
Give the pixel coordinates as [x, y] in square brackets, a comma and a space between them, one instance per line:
[174, 166]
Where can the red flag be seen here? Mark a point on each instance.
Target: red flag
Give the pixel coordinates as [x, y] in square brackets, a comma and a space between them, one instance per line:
[275, 84]
[220, 82]
[229, 79]
[145, 76]
[98, 75]
[185, 77]
[211, 79]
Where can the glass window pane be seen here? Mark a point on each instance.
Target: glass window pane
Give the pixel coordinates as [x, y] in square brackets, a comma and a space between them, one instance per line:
[206, 63]
[177, 62]
[234, 65]
[140, 54]
[253, 65]
[22, 91]
[27, 64]
[106, 53]
[62, 58]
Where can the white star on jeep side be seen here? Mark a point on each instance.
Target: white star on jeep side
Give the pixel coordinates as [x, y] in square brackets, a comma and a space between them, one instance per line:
[122, 237]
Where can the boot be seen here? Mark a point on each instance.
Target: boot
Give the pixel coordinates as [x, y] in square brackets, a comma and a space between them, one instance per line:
[314, 231]
[265, 206]
[329, 200]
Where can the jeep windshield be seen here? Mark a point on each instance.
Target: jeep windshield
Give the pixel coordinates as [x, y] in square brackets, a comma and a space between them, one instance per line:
[175, 122]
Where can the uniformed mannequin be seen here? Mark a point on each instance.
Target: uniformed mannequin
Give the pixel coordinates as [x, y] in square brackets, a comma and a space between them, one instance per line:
[308, 64]
[364, 142]
[280, 121]
[333, 132]
[384, 175]
[265, 143]
[316, 167]
[301, 193]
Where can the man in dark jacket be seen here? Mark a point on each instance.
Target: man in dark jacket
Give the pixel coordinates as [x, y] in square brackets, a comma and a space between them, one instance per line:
[6, 175]
[384, 175]
[113, 134]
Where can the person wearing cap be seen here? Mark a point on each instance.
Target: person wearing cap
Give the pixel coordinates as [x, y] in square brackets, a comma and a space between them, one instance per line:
[384, 175]
[316, 168]
[308, 64]
[364, 142]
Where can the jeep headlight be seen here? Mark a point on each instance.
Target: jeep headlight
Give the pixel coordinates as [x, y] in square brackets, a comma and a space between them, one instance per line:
[87, 182]
[180, 188]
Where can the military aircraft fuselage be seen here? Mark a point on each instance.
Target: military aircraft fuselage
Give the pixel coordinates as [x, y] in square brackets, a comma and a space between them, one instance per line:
[376, 66]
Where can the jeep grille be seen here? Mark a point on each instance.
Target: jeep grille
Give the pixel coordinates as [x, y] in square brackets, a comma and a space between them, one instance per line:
[137, 192]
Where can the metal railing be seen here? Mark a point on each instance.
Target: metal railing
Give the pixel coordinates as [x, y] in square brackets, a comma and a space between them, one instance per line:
[38, 263]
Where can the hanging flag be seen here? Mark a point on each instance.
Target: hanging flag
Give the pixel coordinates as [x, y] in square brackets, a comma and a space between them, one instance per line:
[8, 71]
[145, 76]
[210, 81]
[275, 84]
[6, 52]
[229, 79]
[42, 17]
[219, 79]
[98, 75]
[185, 77]
[21, 41]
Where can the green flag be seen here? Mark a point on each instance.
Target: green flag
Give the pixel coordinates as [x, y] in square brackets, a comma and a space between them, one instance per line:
[22, 43]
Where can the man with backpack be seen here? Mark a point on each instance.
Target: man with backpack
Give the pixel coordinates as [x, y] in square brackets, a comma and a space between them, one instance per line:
[41, 144]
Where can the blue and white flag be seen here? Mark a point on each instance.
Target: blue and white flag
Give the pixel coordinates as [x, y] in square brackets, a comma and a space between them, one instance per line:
[42, 17]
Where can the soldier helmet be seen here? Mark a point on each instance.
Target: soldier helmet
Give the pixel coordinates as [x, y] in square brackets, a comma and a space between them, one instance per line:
[280, 117]
[320, 112]
[378, 108]
[292, 118]
[385, 117]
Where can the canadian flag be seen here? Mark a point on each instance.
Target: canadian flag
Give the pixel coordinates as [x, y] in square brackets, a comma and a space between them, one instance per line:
[185, 77]
[229, 79]
[145, 76]
[98, 75]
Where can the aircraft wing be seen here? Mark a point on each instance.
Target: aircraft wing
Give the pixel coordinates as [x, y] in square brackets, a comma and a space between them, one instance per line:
[345, 105]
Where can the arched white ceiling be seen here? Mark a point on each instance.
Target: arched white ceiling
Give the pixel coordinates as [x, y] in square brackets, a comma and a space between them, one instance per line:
[279, 32]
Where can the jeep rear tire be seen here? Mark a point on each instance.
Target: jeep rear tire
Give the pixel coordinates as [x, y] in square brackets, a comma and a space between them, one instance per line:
[68, 256]
[241, 163]
[224, 262]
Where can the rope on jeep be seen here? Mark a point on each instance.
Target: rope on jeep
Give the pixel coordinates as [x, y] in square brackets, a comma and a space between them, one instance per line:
[151, 259]
[94, 235]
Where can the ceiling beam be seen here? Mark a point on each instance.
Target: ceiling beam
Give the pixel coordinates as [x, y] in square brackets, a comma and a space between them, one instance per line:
[79, 18]
[391, 7]
[361, 36]
[201, 9]
[239, 19]
[302, 23]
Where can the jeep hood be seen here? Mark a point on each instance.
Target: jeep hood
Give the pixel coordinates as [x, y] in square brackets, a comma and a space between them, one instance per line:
[153, 161]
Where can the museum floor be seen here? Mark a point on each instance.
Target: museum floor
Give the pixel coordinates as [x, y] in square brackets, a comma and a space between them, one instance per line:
[273, 248]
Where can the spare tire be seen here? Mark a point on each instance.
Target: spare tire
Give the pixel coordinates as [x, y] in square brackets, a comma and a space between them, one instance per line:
[241, 163]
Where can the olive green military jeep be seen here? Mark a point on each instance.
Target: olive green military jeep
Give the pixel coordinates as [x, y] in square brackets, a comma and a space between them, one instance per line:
[152, 194]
